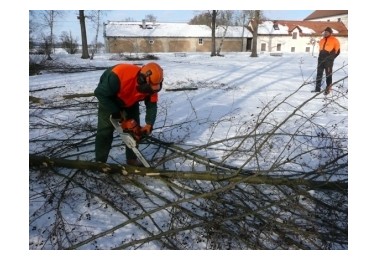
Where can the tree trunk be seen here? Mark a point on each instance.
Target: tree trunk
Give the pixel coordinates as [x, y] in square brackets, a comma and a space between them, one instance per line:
[255, 23]
[85, 52]
[222, 41]
[97, 26]
[213, 27]
[42, 161]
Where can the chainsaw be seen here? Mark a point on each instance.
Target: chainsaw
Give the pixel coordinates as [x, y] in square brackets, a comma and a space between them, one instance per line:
[129, 139]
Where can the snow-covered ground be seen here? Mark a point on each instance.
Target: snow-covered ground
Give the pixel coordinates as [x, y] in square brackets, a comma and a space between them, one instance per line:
[234, 93]
[231, 90]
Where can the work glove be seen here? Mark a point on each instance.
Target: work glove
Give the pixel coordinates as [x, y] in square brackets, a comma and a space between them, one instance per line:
[132, 127]
[147, 129]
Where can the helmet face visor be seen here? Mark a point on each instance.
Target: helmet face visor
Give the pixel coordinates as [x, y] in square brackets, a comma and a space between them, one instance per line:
[148, 88]
[157, 87]
[150, 78]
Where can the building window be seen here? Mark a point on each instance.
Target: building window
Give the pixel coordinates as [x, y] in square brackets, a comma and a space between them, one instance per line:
[293, 49]
[294, 35]
[278, 47]
[307, 49]
[200, 41]
[263, 47]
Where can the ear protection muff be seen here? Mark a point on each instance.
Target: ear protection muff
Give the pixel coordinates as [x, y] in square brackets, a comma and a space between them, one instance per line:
[145, 79]
[141, 79]
[143, 85]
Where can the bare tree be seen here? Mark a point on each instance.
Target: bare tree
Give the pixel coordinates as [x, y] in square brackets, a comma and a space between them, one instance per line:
[255, 20]
[68, 43]
[203, 18]
[241, 19]
[85, 52]
[95, 17]
[225, 19]
[48, 19]
[46, 47]
[214, 19]
[150, 18]
[33, 27]
[129, 19]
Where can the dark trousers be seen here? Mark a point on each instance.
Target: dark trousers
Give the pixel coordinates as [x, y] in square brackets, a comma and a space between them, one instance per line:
[327, 67]
[105, 131]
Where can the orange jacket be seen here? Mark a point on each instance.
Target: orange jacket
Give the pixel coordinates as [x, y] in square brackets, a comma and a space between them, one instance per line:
[127, 75]
[329, 47]
[118, 89]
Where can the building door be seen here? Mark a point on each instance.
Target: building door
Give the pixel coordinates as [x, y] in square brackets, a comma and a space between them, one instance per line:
[248, 44]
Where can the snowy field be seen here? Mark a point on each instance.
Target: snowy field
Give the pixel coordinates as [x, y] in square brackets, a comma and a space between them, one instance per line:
[253, 114]
[231, 89]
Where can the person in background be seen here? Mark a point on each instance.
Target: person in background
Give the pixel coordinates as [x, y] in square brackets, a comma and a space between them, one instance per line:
[329, 49]
[119, 91]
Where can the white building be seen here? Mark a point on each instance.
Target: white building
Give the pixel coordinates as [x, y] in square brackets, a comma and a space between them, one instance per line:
[281, 36]
[297, 36]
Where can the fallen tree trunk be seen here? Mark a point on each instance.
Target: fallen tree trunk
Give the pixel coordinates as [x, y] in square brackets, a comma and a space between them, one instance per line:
[35, 100]
[43, 161]
[78, 95]
[180, 89]
[71, 96]
[43, 89]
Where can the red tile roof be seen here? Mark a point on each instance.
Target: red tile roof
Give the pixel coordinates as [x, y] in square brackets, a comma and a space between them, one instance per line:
[325, 13]
[317, 26]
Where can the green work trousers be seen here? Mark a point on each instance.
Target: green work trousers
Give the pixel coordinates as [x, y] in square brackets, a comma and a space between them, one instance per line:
[105, 131]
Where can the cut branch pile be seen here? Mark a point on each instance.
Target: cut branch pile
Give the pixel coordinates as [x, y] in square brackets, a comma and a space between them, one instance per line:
[277, 184]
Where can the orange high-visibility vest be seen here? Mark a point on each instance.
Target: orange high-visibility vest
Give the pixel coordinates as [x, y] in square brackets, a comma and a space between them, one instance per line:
[127, 74]
[329, 44]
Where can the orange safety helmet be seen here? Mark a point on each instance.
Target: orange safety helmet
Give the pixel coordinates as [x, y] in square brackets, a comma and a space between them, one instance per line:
[153, 73]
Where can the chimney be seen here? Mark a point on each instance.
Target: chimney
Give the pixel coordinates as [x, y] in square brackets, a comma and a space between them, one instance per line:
[143, 24]
[275, 25]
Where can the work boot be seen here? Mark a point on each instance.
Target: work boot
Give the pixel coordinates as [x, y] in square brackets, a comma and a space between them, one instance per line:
[134, 162]
[327, 90]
